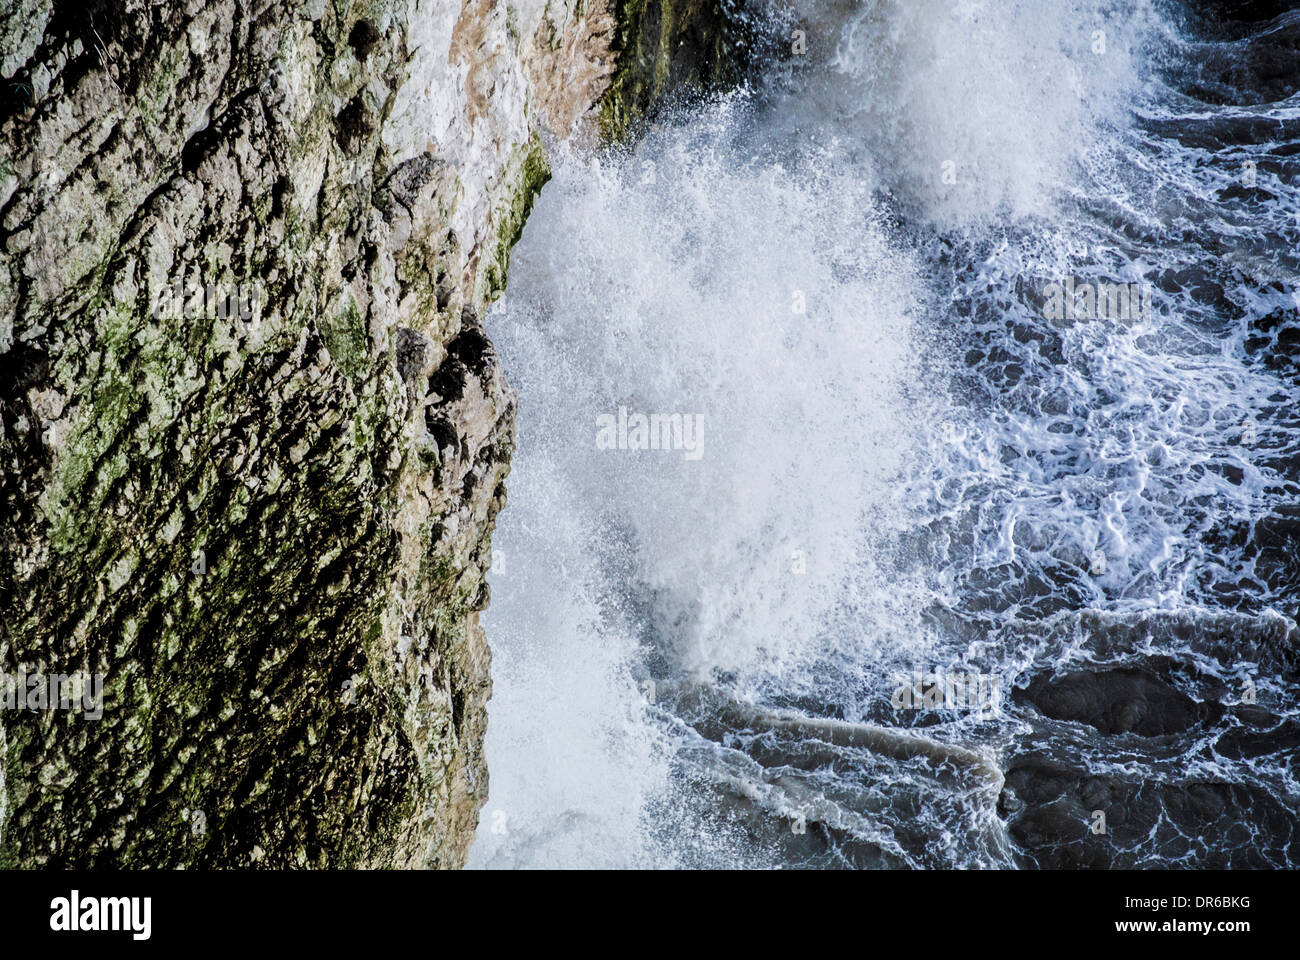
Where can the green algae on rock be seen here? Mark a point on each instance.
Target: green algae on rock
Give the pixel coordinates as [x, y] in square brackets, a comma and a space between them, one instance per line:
[269, 533]
[666, 49]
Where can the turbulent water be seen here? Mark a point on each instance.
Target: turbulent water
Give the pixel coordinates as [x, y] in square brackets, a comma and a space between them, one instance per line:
[910, 459]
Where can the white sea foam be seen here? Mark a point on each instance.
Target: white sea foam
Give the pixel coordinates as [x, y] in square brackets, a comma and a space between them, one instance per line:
[672, 281]
[688, 279]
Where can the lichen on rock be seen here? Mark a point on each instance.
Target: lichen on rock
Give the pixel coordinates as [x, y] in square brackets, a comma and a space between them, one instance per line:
[268, 533]
[254, 437]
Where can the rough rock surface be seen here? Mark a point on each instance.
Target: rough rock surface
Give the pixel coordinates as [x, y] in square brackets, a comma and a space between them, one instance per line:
[667, 49]
[266, 522]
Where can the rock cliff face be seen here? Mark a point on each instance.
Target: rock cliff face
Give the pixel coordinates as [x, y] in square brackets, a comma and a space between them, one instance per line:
[666, 49]
[253, 435]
